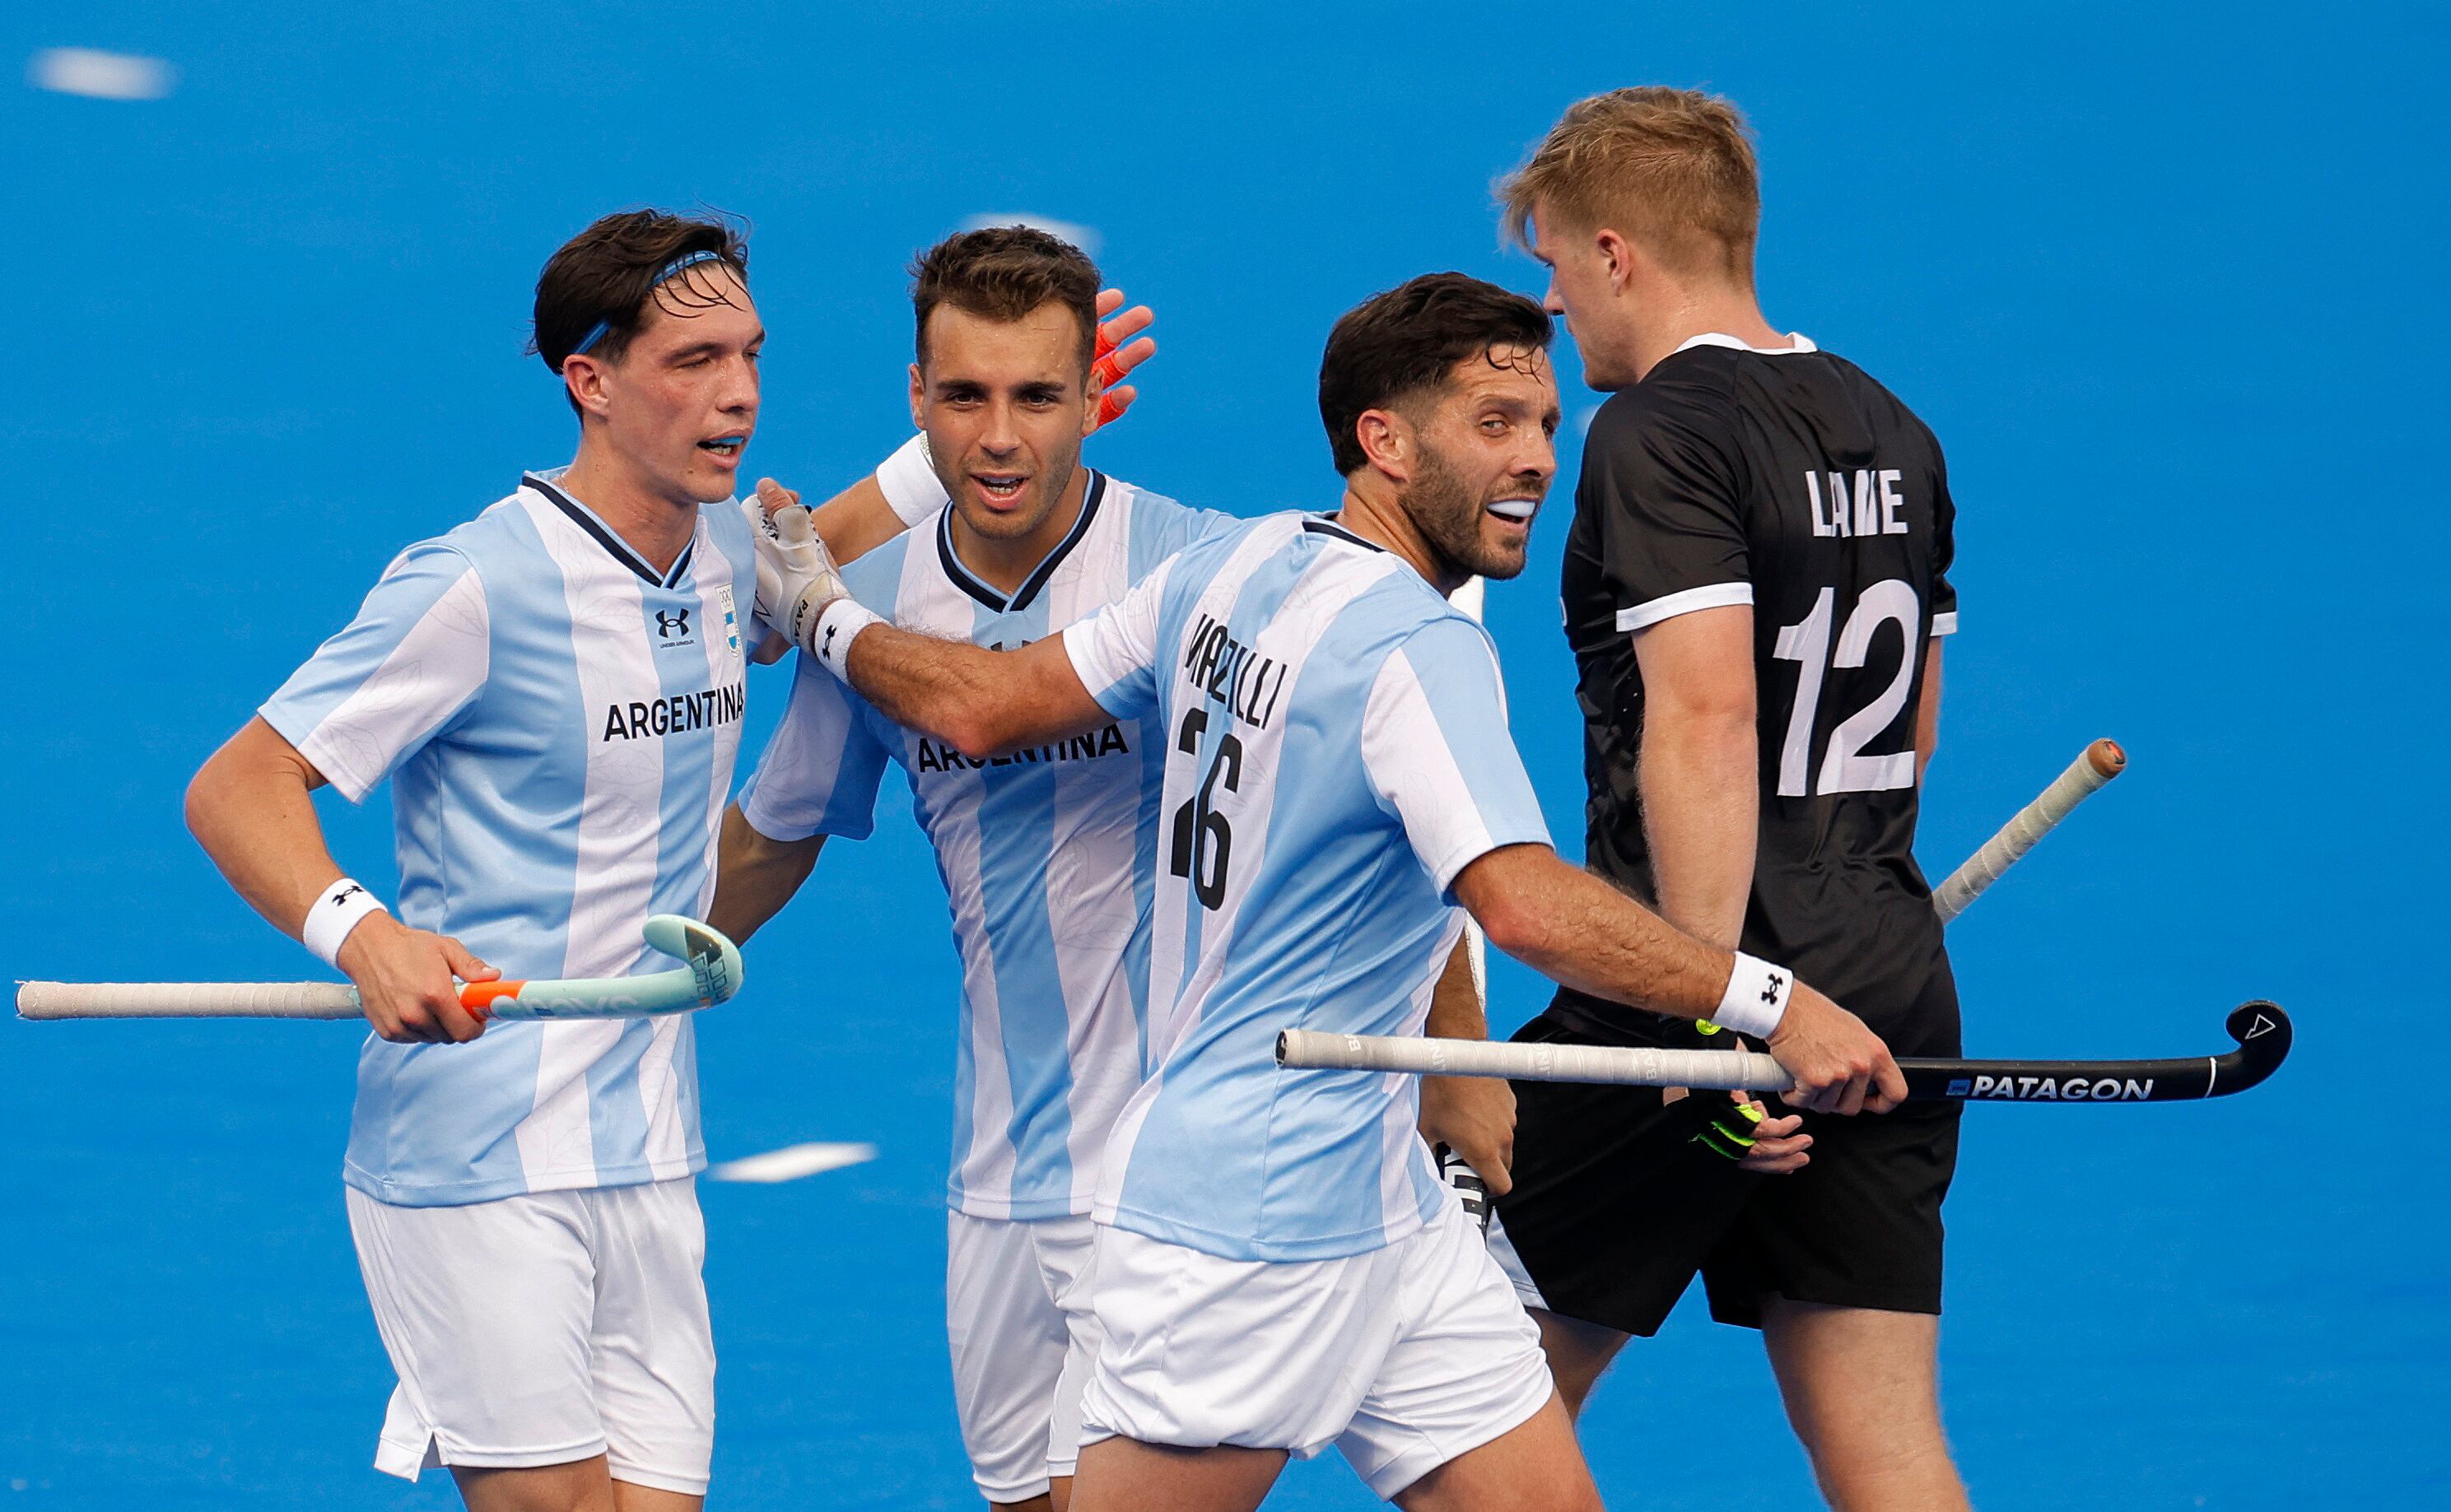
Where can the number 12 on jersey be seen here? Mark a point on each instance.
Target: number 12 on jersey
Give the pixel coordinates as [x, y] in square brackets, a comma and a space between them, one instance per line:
[1844, 768]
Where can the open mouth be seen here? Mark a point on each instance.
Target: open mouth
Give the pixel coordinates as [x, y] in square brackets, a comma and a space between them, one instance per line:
[1517, 510]
[1001, 488]
[727, 447]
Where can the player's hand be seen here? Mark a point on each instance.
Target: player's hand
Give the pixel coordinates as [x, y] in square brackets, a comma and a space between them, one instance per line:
[1118, 354]
[404, 982]
[796, 578]
[1475, 1118]
[1779, 1144]
[1839, 1066]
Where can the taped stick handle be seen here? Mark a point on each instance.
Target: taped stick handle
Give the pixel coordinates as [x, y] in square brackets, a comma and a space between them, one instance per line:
[1629, 1065]
[220, 999]
[187, 999]
[2100, 763]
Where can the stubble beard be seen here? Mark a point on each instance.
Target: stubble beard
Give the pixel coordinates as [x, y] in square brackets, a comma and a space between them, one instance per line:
[1448, 511]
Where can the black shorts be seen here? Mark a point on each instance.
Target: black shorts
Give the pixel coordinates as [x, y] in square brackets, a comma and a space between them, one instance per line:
[1614, 1207]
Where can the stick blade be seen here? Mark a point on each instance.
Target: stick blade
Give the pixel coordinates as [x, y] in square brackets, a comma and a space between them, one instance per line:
[713, 961]
[2264, 1035]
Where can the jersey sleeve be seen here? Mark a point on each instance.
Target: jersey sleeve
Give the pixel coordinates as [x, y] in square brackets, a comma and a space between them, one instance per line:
[417, 654]
[820, 770]
[1672, 533]
[1435, 745]
[1114, 652]
[1944, 592]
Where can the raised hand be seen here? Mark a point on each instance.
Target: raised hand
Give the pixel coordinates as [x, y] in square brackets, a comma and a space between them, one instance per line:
[797, 577]
[1118, 352]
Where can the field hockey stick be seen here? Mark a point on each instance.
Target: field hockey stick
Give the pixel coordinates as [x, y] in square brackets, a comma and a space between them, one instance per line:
[2261, 1029]
[2102, 761]
[711, 976]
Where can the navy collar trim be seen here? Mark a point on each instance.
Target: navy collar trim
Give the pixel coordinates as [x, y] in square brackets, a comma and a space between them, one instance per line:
[617, 548]
[1317, 526]
[988, 593]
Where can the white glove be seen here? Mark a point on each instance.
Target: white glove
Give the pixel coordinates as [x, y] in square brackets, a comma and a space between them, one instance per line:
[797, 577]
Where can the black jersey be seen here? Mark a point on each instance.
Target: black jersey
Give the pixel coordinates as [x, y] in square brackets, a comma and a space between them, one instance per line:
[1794, 482]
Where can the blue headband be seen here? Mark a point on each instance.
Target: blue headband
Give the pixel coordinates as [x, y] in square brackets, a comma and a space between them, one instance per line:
[596, 331]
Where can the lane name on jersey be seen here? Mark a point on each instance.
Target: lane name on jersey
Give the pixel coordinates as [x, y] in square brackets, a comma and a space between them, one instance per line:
[1873, 509]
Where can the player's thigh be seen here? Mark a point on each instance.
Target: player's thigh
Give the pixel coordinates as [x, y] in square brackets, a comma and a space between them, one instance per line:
[1535, 1467]
[1007, 1341]
[1124, 1475]
[584, 1485]
[1197, 1350]
[653, 1346]
[1465, 1368]
[1861, 1392]
[1579, 1353]
[486, 1311]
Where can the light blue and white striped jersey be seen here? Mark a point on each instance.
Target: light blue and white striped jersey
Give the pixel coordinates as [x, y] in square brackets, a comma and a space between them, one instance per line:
[1336, 744]
[1047, 855]
[560, 722]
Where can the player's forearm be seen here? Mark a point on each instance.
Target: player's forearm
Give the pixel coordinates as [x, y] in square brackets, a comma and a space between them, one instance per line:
[1577, 931]
[1456, 1009]
[1700, 810]
[856, 521]
[248, 807]
[756, 875]
[982, 702]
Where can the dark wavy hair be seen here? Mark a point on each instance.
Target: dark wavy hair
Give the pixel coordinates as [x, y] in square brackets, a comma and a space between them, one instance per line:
[1407, 340]
[607, 273]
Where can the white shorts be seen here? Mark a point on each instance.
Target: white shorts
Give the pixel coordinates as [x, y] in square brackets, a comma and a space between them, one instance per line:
[544, 1329]
[1017, 1314]
[1403, 1358]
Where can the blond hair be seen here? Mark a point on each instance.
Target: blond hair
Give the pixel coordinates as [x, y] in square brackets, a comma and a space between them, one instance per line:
[1671, 168]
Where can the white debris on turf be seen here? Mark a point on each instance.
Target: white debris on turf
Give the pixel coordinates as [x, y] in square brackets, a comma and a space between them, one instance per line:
[101, 75]
[792, 1162]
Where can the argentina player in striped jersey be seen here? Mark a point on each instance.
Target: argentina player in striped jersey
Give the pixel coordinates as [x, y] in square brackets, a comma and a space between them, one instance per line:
[1279, 1267]
[1046, 854]
[554, 691]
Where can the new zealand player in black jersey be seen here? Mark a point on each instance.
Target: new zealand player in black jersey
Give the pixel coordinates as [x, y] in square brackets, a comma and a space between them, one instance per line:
[1755, 590]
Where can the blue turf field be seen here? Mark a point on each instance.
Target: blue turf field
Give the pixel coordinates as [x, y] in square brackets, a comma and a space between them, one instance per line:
[2167, 285]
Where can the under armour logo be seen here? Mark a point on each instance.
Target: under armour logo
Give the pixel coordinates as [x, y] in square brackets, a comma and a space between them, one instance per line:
[829, 639]
[1771, 990]
[344, 895]
[668, 623]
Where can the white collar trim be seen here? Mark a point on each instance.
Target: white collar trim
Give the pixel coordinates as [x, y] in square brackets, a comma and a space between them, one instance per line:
[1802, 343]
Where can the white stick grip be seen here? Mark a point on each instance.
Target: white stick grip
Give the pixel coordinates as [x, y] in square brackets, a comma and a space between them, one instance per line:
[2100, 762]
[1624, 1065]
[187, 999]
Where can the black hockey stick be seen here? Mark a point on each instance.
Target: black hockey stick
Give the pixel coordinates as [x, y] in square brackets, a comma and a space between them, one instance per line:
[2261, 1029]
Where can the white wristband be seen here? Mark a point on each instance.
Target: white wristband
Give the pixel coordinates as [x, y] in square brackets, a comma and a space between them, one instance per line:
[908, 481]
[1756, 996]
[337, 910]
[836, 628]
